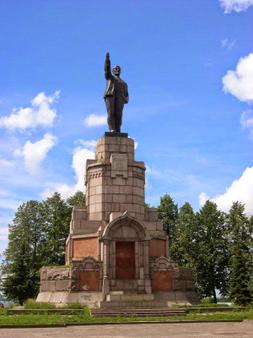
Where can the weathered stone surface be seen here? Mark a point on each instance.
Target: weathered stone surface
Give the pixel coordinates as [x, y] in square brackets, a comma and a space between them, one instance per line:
[62, 285]
[116, 243]
[164, 264]
[162, 281]
[178, 285]
[55, 273]
[119, 165]
[151, 214]
[157, 248]
[61, 298]
[84, 247]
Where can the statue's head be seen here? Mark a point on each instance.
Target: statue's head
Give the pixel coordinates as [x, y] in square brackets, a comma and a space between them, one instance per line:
[116, 70]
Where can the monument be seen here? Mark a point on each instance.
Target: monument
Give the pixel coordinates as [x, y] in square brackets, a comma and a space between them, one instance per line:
[117, 249]
[116, 95]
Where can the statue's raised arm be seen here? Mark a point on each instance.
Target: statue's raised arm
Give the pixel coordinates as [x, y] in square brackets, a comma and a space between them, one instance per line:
[108, 73]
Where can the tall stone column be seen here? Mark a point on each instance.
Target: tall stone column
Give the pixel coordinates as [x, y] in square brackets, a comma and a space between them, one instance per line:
[147, 280]
[106, 286]
[136, 259]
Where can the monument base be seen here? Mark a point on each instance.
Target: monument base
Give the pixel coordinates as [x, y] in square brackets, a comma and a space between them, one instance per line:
[95, 300]
[117, 249]
[61, 298]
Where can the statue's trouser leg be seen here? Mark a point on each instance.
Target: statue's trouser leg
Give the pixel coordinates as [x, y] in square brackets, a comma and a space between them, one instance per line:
[110, 106]
[119, 104]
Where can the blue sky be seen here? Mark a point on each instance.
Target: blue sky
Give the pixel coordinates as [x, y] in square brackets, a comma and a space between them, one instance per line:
[189, 68]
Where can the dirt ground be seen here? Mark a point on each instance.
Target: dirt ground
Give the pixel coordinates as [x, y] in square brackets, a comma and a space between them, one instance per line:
[196, 330]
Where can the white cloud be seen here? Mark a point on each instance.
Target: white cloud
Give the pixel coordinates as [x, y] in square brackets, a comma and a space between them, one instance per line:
[6, 163]
[35, 153]
[9, 203]
[235, 5]
[94, 120]
[90, 144]
[239, 82]
[136, 143]
[240, 190]
[227, 44]
[80, 156]
[4, 233]
[40, 113]
[247, 121]
[65, 190]
[3, 246]
[203, 197]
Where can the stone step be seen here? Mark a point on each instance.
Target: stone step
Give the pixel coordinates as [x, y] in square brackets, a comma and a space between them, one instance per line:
[141, 312]
[128, 297]
[133, 304]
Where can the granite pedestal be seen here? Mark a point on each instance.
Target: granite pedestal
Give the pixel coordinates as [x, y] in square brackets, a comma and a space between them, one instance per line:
[117, 250]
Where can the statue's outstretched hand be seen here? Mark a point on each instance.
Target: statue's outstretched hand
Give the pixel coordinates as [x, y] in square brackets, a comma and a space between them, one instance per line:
[107, 66]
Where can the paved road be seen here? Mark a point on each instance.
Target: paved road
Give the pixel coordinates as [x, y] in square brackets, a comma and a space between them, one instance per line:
[196, 330]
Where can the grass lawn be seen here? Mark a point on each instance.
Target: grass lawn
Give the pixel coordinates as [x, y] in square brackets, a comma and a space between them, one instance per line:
[85, 318]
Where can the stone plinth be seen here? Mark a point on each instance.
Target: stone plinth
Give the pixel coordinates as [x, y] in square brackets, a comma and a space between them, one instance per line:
[115, 181]
[116, 245]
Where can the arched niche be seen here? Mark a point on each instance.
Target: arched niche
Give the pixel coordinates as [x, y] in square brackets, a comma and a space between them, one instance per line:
[125, 250]
[125, 227]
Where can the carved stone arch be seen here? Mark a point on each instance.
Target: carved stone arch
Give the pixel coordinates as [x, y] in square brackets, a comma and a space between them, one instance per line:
[88, 263]
[164, 264]
[125, 227]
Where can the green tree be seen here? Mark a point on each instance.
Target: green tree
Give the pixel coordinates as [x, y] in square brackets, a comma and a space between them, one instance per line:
[184, 246]
[240, 263]
[77, 200]
[37, 237]
[168, 213]
[57, 215]
[211, 258]
[251, 254]
[23, 255]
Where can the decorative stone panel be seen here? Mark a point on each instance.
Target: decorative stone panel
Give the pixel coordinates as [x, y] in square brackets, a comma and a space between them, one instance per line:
[55, 278]
[86, 275]
[84, 247]
[164, 264]
[180, 279]
[55, 273]
[119, 165]
[161, 281]
[88, 280]
[157, 248]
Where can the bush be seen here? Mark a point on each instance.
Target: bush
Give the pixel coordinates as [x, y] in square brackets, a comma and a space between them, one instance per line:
[3, 312]
[32, 304]
[207, 300]
[73, 306]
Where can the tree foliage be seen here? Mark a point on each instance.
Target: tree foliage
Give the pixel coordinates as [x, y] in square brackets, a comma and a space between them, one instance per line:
[23, 255]
[56, 215]
[240, 263]
[183, 249]
[212, 257]
[37, 237]
[168, 213]
[218, 247]
[77, 200]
